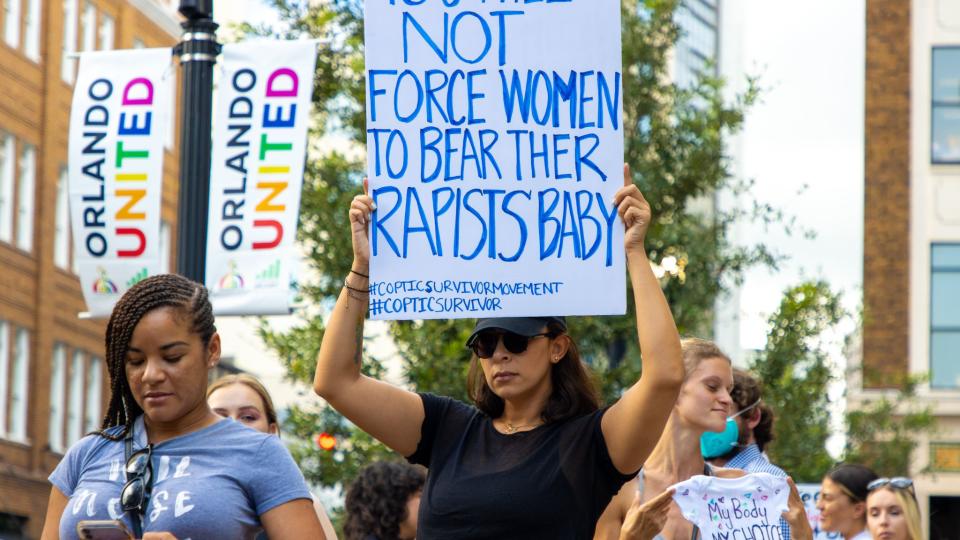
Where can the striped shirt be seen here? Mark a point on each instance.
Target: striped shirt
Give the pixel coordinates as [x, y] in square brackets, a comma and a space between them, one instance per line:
[752, 460]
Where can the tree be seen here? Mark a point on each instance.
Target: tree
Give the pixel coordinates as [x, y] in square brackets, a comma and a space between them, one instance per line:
[796, 374]
[677, 155]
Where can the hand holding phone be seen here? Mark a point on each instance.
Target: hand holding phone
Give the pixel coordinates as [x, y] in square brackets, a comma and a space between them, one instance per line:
[103, 530]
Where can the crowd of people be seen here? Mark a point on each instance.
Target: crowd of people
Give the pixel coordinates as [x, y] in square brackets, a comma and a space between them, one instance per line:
[537, 455]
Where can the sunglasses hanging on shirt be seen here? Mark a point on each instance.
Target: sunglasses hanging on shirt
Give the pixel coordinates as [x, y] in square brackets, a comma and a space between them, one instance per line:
[135, 494]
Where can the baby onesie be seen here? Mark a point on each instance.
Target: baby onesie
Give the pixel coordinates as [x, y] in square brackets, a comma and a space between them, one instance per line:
[745, 508]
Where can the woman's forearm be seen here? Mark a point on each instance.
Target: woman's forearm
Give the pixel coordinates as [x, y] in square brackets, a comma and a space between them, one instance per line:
[659, 340]
[339, 358]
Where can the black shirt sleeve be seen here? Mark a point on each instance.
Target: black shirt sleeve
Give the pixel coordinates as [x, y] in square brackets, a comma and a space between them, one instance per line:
[586, 461]
[439, 413]
[603, 453]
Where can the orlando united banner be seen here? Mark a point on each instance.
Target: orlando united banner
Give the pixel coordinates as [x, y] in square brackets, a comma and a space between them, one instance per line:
[117, 133]
[259, 146]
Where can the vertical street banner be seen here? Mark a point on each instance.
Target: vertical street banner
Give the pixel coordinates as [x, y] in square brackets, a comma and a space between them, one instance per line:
[494, 149]
[115, 170]
[261, 113]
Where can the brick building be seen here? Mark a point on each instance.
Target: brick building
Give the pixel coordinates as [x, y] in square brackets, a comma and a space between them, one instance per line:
[912, 230]
[53, 383]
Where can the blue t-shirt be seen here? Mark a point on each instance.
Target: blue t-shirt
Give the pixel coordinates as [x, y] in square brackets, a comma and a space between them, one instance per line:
[212, 483]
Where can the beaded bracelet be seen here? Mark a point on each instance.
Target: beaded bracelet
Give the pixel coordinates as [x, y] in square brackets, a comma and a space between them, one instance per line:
[354, 289]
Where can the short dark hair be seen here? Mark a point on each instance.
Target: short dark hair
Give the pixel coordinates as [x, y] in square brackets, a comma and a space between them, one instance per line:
[376, 502]
[574, 393]
[188, 297]
[854, 478]
[747, 390]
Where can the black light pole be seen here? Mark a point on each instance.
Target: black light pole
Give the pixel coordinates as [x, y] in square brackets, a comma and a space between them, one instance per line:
[198, 52]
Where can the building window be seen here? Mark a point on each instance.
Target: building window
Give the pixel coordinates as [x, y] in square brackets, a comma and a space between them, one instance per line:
[26, 193]
[13, 526]
[61, 231]
[75, 406]
[945, 316]
[945, 110]
[164, 247]
[4, 371]
[11, 23]
[18, 397]
[74, 264]
[31, 39]
[107, 32]
[58, 373]
[68, 62]
[93, 412]
[696, 51]
[89, 28]
[7, 170]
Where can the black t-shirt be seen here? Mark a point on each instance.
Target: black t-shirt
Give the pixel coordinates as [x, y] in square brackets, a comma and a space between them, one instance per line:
[552, 482]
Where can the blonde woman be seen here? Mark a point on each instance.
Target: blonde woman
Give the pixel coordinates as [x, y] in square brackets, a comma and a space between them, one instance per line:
[892, 510]
[244, 398]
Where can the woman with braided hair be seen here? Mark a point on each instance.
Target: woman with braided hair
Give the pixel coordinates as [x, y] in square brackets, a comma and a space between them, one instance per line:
[163, 462]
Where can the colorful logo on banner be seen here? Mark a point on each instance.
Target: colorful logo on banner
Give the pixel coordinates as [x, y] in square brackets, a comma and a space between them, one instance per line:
[116, 143]
[494, 149]
[259, 150]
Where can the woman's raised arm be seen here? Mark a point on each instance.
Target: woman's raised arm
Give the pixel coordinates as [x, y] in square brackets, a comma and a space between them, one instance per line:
[390, 414]
[632, 426]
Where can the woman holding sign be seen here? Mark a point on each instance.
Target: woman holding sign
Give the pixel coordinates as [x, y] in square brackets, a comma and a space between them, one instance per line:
[536, 457]
[642, 510]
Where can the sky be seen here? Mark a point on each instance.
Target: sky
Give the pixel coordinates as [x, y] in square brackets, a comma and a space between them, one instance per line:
[802, 145]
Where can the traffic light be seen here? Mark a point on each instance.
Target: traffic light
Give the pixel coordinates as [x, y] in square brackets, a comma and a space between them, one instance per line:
[326, 441]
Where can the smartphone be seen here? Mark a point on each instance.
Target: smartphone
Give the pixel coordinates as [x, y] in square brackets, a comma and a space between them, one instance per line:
[103, 530]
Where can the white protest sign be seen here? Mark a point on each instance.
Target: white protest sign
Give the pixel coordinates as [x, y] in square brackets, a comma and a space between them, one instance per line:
[810, 494]
[494, 149]
[259, 148]
[115, 170]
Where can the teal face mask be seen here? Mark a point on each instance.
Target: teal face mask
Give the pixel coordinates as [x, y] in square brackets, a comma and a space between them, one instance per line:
[714, 445]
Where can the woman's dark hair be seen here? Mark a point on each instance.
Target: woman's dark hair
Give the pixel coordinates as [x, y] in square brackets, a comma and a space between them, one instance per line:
[747, 390]
[574, 393]
[853, 480]
[191, 301]
[376, 502]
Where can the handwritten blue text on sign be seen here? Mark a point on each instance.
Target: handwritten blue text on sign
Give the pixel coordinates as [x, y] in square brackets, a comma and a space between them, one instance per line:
[495, 146]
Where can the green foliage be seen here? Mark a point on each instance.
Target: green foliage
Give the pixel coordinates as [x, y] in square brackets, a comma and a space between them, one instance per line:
[883, 433]
[796, 374]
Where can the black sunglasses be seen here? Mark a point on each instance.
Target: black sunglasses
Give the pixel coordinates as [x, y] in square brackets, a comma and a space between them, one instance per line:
[898, 482]
[136, 492]
[484, 344]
